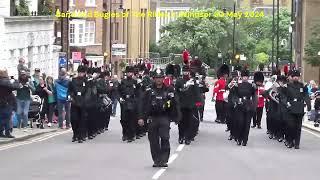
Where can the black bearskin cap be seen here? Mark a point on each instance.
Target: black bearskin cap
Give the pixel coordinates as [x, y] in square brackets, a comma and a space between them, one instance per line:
[258, 76]
[281, 78]
[82, 68]
[185, 68]
[195, 66]
[295, 73]
[245, 73]
[129, 69]
[176, 70]
[223, 69]
[169, 69]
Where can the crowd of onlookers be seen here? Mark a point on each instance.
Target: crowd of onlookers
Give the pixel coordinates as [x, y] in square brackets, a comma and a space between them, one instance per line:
[54, 106]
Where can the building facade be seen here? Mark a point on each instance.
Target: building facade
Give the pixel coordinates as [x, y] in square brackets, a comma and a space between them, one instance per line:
[166, 7]
[30, 38]
[305, 19]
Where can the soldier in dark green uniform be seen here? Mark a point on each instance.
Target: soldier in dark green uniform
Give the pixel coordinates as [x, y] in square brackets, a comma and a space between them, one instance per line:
[297, 94]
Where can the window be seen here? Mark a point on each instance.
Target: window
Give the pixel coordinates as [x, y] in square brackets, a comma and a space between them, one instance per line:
[72, 2]
[90, 2]
[90, 31]
[81, 33]
[72, 34]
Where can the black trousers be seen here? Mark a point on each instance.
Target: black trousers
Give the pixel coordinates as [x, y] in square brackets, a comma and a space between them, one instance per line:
[158, 135]
[242, 123]
[256, 120]
[78, 121]
[129, 123]
[230, 118]
[92, 120]
[294, 127]
[221, 110]
[188, 125]
[107, 117]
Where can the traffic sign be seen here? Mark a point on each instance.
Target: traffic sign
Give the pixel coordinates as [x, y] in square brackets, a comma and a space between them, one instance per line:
[62, 60]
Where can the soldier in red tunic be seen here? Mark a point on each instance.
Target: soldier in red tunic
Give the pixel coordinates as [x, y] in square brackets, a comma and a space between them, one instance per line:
[168, 80]
[258, 80]
[219, 90]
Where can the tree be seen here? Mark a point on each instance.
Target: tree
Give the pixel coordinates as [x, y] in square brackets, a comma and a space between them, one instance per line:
[312, 48]
[45, 8]
[23, 8]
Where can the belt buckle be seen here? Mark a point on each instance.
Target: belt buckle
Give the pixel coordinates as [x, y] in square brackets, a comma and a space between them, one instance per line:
[127, 96]
[244, 98]
[295, 99]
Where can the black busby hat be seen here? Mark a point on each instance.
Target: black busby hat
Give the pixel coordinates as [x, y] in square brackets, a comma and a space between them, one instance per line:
[82, 68]
[223, 69]
[245, 72]
[158, 73]
[170, 69]
[258, 77]
[295, 73]
[85, 61]
[129, 69]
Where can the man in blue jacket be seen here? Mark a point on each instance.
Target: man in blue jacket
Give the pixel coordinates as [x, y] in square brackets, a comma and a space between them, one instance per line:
[61, 85]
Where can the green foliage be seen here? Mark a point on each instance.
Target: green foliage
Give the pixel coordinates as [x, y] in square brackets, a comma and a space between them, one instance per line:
[211, 73]
[45, 8]
[313, 47]
[205, 37]
[22, 8]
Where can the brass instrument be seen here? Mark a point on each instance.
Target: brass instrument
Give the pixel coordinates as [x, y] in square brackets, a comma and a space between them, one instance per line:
[273, 93]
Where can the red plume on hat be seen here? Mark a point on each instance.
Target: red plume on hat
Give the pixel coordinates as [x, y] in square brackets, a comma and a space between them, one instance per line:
[185, 56]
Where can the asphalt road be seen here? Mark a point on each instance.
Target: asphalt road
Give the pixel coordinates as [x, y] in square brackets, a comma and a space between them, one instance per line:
[211, 156]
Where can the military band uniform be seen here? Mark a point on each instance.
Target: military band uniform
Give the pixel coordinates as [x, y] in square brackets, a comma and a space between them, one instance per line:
[128, 98]
[189, 97]
[245, 106]
[77, 90]
[296, 96]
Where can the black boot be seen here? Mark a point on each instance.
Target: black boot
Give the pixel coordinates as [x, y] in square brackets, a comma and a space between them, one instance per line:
[180, 141]
[187, 142]
[230, 138]
[238, 142]
[8, 135]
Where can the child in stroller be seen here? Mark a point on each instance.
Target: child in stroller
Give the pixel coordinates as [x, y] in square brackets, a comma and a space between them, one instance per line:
[317, 109]
[34, 111]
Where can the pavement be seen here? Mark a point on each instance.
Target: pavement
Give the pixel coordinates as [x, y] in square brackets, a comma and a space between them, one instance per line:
[211, 156]
[25, 133]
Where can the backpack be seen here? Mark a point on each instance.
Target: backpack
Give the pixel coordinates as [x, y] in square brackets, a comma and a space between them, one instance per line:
[62, 92]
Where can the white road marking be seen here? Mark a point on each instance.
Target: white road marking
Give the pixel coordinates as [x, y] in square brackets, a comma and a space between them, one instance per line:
[43, 138]
[172, 158]
[180, 147]
[317, 135]
[158, 174]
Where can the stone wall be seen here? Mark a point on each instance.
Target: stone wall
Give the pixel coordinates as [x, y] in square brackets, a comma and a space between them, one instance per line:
[31, 38]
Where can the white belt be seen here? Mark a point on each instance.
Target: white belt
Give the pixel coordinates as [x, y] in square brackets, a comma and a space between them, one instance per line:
[222, 90]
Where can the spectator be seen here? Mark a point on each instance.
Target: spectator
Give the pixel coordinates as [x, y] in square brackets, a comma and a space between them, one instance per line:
[24, 99]
[52, 101]
[7, 102]
[44, 91]
[61, 86]
[23, 67]
[36, 77]
[312, 87]
[114, 94]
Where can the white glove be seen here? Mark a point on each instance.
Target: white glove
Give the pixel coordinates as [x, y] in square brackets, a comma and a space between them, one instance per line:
[139, 81]
[121, 100]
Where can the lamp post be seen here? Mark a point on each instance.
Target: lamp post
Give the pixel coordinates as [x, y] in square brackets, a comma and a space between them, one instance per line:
[278, 38]
[234, 29]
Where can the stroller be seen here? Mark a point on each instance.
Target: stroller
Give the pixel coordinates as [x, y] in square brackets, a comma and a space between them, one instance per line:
[315, 115]
[35, 110]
